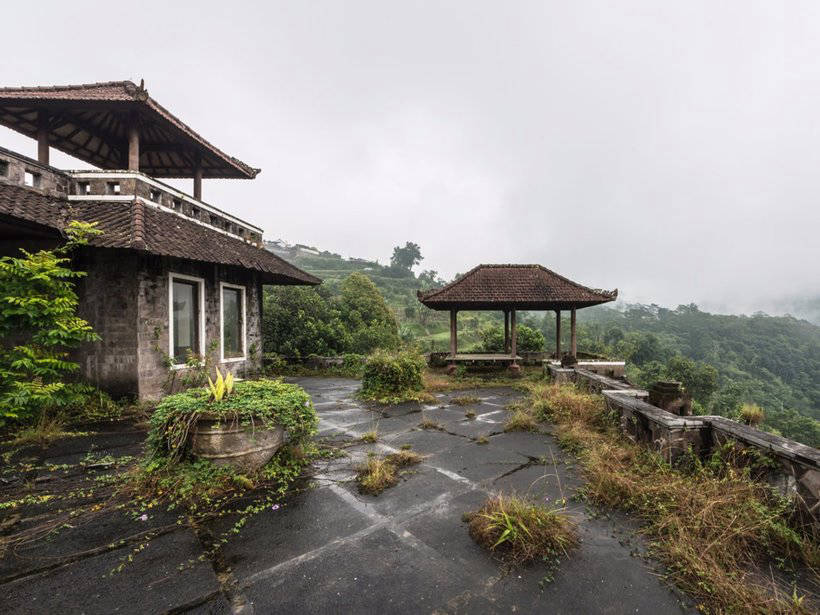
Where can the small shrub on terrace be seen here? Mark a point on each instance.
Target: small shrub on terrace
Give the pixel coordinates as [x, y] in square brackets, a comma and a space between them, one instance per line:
[517, 531]
[751, 414]
[404, 458]
[393, 377]
[429, 424]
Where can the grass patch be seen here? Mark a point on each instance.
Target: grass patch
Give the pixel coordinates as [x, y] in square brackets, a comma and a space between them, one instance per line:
[45, 431]
[521, 420]
[482, 440]
[428, 424]
[380, 473]
[370, 436]
[466, 400]
[716, 528]
[518, 531]
[469, 414]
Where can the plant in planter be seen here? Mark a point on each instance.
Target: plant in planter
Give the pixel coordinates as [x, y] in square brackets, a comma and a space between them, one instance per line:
[239, 424]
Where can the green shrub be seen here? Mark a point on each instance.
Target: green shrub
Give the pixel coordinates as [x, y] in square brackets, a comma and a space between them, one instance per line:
[527, 339]
[38, 325]
[391, 377]
[353, 363]
[263, 403]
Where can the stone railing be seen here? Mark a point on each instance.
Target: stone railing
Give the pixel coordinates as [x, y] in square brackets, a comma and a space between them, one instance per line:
[794, 470]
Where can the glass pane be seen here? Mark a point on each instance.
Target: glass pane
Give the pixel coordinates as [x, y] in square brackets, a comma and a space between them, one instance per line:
[232, 322]
[186, 319]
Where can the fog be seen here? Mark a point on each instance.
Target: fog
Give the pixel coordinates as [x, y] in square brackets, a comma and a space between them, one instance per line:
[667, 149]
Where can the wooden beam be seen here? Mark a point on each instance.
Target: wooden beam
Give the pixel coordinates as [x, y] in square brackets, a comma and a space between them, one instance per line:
[453, 333]
[42, 137]
[513, 336]
[198, 182]
[133, 143]
[573, 340]
[558, 334]
[506, 331]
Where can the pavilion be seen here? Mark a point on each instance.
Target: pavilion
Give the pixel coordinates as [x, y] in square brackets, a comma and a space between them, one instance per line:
[510, 288]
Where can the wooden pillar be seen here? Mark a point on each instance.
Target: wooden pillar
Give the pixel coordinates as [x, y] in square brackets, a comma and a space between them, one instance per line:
[453, 333]
[133, 144]
[558, 334]
[513, 336]
[198, 183]
[42, 137]
[506, 331]
[573, 340]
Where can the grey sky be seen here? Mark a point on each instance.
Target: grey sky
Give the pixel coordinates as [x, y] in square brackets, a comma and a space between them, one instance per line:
[668, 149]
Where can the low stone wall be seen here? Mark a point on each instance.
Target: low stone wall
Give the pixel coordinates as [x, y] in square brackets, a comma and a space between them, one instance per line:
[793, 469]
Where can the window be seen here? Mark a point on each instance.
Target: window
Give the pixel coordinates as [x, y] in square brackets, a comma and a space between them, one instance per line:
[176, 204]
[31, 179]
[83, 188]
[233, 322]
[4, 168]
[113, 187]
[195, 212]
[156, 195]
[186, 322]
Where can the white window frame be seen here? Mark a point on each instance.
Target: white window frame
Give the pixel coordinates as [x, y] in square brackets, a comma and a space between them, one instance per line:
[244, 314]
[201, 283]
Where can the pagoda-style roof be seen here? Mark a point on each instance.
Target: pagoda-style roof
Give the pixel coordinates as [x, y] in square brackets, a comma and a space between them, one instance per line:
[136, 226]
[91, 122]
[513, 287]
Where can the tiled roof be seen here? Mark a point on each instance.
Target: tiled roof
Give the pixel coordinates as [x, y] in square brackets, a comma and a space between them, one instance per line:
[141, 227]
[85, 127]
[513, 287]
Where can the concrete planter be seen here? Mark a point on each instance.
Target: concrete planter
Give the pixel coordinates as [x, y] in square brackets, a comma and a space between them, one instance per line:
[229, 443]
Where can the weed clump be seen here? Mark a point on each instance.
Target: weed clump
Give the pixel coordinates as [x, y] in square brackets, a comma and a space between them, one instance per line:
[518, 531]
[752, 414]
[428, 424]
[521, 420]
[466, 400]
[370, 436]
[380, 473]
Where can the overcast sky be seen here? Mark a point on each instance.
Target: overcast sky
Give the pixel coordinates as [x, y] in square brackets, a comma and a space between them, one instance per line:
[667, 149]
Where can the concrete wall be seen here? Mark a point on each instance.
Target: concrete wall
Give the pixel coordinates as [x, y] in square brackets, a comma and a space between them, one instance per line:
[125, 298]
[795, 467]
[153, 327]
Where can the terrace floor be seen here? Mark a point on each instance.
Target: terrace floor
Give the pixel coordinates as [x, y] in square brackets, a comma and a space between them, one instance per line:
[332, 550]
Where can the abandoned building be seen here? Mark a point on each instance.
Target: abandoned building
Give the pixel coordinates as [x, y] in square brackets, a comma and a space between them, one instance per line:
[171, 279]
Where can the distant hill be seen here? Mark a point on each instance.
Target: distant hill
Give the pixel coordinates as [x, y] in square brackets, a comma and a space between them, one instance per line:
[773, 361]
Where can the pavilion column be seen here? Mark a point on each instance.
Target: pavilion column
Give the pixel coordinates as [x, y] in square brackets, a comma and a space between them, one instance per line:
[453, 333]
[558, 334]
[42, 138]
[513, 336]
[198, 183]
[133, 144]
[573, 340]
[506, 331]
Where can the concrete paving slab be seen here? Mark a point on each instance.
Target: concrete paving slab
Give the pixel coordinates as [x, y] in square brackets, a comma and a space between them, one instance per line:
[152, 583]
[477, 462]
[311, 519]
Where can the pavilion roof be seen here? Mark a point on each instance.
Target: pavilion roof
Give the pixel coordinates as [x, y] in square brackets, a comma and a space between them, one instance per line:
[523, 287]
[90, 122]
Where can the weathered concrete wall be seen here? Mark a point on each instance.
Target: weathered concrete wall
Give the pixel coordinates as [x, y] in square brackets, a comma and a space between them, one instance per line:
[156, 378]
[107, 297]
[49, 180]
[794, 470]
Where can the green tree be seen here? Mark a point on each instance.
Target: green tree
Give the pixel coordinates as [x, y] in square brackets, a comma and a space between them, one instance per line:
[299, 321]
[38, 327]
[366, 316]
[407, 257]
[699, 379]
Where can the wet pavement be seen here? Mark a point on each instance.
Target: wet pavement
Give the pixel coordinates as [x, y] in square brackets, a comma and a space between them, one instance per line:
[330, 549]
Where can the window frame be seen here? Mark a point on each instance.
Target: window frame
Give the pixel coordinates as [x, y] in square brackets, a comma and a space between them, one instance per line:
[201, 283]
[243, 314]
